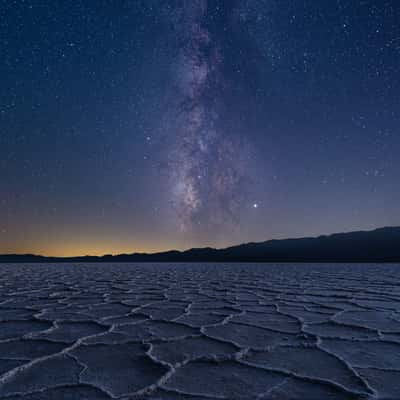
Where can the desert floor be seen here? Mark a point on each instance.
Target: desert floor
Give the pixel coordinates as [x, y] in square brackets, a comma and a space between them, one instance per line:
[191, 331]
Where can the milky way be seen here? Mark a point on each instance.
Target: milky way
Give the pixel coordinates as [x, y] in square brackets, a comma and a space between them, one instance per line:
[209, 163]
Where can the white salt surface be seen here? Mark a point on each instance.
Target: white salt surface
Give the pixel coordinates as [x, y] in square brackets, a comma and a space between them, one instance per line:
[199, 331]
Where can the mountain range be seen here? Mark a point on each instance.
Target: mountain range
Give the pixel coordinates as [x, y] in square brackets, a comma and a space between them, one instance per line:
[379, 245]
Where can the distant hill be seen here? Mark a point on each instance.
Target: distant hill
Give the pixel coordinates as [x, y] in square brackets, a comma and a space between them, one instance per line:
[379, 245]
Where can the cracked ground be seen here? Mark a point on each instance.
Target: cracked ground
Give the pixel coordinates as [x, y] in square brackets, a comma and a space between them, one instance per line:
[199, 331]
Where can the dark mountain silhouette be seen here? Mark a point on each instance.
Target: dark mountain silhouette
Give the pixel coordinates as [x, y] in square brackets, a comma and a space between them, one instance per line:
[379, 245]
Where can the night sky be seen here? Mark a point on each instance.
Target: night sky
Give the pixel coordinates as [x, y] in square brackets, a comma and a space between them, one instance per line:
[148, 125]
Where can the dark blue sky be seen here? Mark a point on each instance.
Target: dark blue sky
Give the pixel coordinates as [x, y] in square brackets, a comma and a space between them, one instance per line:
[147, 125]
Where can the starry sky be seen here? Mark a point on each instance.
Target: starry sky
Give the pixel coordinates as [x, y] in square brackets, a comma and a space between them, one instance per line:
[147, 125]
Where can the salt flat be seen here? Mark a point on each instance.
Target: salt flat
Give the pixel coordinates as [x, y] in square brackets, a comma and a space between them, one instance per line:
[191, 331]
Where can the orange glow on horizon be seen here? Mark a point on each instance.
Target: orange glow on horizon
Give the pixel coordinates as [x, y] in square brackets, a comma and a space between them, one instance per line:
[69, 248]
[82, 250]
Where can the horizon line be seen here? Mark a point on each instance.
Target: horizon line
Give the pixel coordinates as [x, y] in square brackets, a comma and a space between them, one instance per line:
[197, 248]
